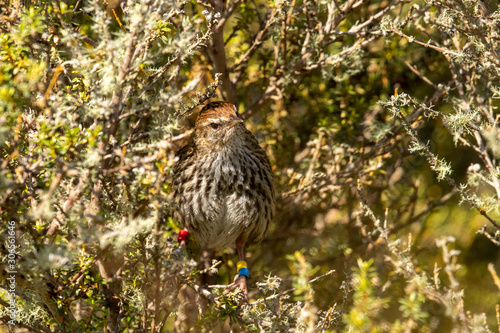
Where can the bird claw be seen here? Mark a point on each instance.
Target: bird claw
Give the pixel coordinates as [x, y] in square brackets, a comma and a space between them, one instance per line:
[241, 283]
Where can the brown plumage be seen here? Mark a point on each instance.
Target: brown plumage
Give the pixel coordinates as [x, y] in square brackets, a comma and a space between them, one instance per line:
[223, 182]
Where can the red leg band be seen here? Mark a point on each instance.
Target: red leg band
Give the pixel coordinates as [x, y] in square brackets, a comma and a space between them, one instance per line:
[183, 235]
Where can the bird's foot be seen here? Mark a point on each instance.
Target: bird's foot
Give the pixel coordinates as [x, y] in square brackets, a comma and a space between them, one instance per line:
[241, 283]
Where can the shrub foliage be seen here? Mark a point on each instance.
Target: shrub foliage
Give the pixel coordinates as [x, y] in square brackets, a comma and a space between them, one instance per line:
[380, 120]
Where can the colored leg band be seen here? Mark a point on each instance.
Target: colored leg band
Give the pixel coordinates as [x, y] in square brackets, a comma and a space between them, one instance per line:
[241, 264]
[243, 271]
[183, 235]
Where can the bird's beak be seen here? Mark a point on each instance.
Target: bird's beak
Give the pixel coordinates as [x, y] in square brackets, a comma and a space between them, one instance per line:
[234, 122]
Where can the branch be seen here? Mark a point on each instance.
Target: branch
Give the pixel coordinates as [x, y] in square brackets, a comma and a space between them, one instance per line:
[217, 54]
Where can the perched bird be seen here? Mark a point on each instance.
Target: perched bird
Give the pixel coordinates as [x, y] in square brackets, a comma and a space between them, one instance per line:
[224, 190]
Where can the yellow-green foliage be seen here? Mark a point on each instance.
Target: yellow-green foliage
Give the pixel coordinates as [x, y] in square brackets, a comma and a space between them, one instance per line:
[380, 119]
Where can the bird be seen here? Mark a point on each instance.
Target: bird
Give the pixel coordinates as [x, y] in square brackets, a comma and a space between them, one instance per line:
[223, 183]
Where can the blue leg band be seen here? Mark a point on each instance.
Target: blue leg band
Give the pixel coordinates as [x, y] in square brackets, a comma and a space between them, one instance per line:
[243, 271]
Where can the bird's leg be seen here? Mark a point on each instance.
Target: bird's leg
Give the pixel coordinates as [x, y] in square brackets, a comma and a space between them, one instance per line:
[240, 280]
[240, 246]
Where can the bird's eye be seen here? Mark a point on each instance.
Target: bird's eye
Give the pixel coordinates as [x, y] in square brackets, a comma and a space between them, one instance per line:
[214, 125]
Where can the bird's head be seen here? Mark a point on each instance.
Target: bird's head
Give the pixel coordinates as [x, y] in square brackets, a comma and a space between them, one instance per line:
[218, 125]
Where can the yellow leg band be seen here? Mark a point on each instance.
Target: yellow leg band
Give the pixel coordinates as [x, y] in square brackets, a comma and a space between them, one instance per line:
[241, 264]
